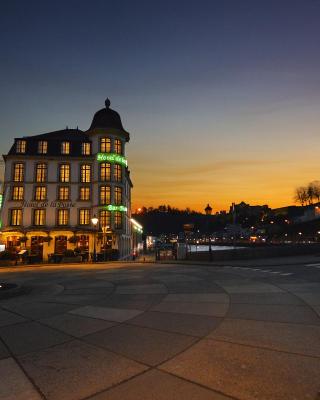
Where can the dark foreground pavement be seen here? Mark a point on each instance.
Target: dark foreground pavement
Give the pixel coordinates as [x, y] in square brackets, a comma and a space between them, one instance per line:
[162, 332]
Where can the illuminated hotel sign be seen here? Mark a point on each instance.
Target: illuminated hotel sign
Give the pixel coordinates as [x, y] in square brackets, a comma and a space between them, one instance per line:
[111, 207]
[112, 158]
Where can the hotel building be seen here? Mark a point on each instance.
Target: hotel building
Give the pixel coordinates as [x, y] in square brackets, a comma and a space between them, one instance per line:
[56, 183]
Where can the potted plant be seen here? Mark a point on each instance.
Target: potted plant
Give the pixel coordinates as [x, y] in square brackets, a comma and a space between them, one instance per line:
[23, 239]
[47, 239]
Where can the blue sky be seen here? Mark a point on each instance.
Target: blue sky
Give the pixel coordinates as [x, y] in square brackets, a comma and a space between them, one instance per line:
[221, 97]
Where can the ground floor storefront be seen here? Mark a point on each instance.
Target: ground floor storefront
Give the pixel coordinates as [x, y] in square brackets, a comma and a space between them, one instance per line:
[59, 245]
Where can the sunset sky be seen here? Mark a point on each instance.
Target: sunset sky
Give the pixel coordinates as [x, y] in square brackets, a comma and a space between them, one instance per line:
[221, 98]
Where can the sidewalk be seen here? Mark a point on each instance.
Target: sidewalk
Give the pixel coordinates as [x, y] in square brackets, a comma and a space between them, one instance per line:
[161, 332]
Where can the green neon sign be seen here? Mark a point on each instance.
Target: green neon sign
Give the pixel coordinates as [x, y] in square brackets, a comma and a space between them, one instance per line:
[112, 158]
[111, 207]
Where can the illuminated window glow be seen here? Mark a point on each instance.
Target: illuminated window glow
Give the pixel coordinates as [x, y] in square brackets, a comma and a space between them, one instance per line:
[85, 173]
[17, 193]
[118, 146]
[84, 216]
[105, 218]
[15, 217]
[64, 173]
[105, 145]
[117, 172]
[118, 220]
[21, 146]
[39, 217]
[42, 147]
[18, 172]
[84, 193]
[41, 172]
[65, 148]
[64, 193]
[105, 195]
[105, 172]
[86, 148]
[40, 193]
[63, 217]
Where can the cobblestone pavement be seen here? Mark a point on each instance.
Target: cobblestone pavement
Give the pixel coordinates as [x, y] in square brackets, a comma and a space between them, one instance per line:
[162, 332]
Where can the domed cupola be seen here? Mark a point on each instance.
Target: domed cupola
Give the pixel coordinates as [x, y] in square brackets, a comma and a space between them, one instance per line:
[107, 118]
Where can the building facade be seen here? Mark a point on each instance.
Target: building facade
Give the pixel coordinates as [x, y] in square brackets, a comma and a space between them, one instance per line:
[69, 190]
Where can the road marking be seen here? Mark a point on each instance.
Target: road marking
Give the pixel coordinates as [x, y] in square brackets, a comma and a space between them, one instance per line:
[287, 274]
[312, 265]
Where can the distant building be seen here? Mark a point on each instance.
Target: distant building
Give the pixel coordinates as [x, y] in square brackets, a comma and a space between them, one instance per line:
[208, 210]
[244, 208]
[56, 182]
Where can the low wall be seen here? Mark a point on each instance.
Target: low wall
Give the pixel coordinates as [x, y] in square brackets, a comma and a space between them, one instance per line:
[256, 252]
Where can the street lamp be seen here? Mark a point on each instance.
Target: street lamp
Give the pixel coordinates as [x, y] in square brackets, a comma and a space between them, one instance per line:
[94, 221]
[104, 231]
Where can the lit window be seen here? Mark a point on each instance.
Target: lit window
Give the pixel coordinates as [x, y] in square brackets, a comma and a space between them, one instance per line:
[64, 173]
[21, 146]
[84, 193]
[84, 217]
[65, 148]
[64, 193]
[42, 147]
[105, 218]
[85, 173]
[105, 195]
[17, 192]
[18, 172]
[40, 193]
[118, 220]
[63, 217]
[15, 217]
[118, 195]
[105, 172]
[86, 149]
[117, 172]
[39, 217]
[105, 145]
[41, 172]
[118, 146]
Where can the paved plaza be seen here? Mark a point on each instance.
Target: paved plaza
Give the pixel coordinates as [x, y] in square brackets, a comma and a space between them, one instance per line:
[162, 331]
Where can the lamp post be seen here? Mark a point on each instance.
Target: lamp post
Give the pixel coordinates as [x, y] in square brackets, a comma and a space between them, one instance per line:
[94, 221]
[105, 229]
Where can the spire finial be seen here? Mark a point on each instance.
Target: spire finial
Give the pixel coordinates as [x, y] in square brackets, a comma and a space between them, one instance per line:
[107, 103]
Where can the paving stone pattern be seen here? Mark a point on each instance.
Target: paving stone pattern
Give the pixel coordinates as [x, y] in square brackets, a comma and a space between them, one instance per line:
[161, 332]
